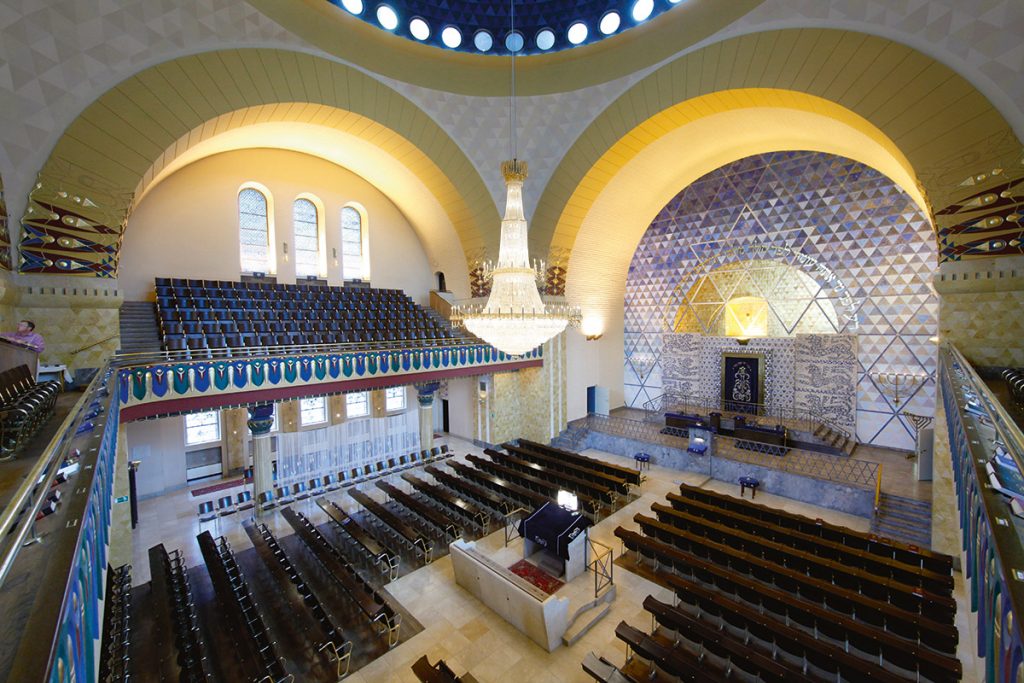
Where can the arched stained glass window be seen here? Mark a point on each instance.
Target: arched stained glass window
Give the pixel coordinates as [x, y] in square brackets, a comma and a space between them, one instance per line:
[253, 231]
[307, 238]
[352, 244]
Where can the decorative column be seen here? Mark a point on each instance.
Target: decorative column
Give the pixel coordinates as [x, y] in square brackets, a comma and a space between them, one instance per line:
[425, 395]
[261, 419]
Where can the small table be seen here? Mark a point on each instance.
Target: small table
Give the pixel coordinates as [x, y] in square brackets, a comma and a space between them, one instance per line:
[749, 483]
[643, 461]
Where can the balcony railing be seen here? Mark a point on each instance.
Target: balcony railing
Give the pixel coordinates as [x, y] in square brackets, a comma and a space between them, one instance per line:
[828, 467]
[991, 535]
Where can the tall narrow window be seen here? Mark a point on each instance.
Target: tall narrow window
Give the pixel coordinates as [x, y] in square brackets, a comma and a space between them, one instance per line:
[357, 405]
[254, 231]
[394, 399]
[202, 428]
[312, 411]
[307, 238]
[352, 244]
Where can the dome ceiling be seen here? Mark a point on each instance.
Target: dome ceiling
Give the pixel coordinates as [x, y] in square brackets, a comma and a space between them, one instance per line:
[483, 26]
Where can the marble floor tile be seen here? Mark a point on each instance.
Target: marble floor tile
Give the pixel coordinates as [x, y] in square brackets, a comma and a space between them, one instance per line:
[461, 630]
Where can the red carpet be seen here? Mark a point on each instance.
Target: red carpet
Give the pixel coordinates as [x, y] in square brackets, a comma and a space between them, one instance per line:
[213, 488]
[537, 577]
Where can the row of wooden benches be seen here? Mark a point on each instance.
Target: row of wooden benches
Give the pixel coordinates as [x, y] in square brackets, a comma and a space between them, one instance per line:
[24, 406]
[760, 589]
[254, 647]
[174, 617]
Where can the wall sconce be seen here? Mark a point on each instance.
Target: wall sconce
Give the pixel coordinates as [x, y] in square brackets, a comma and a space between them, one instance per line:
[284, 250]
[592, 328]
[742, 341]
[334, 255]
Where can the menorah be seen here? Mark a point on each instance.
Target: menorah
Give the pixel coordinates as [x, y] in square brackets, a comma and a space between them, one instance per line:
[642, 363]
[898, 385]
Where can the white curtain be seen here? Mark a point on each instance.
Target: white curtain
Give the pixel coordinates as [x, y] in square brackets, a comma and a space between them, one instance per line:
[316, 452]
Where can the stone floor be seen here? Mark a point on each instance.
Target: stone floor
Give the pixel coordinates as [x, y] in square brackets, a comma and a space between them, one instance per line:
[467, 635]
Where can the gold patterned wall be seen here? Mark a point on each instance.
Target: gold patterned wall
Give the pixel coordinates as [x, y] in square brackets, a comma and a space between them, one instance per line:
[797, 303]
[80, 324]
[530, 403]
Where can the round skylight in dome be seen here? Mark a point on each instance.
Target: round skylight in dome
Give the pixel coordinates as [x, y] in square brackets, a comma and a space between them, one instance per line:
[577, 33]
[387, 17]
[484, 26]
[419, 29]
[514, 41]
[642, 9]
[545, 39]
[610, 23]
[482, 41]
[451, 37]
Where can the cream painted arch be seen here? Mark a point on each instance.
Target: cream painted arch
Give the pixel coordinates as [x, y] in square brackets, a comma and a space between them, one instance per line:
[632, 195]
[137, 128]
[939, 127]
[343, 139]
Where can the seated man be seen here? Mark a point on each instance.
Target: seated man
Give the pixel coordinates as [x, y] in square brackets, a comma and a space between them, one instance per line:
[26, 335]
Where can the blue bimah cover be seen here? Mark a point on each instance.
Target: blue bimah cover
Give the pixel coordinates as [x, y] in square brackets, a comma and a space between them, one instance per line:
[553, 527]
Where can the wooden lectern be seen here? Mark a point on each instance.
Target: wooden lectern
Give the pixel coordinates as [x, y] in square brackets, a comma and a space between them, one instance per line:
[13, 354]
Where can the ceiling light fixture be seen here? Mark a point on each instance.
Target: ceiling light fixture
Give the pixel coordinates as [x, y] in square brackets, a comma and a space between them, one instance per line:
[515, 319]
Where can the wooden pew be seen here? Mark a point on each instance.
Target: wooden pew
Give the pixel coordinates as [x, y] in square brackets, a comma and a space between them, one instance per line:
[739, 570]
[386, 560]
[616, 483]
[862, 664]
[856, 633]
[471, 490]
[569, 482]
[431, 514]
[877, 564]
[669, 660]
[371, 603]
[629, 474]
[935, 606]
[299, 596]
[437, 673]
[476, 514]
[531, 499]
[544, 486]
[921, 557]
[741, 655]
[256, 649]
[416, 540]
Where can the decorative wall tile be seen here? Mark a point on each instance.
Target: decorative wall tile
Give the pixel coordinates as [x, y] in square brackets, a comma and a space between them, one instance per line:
[851, 229]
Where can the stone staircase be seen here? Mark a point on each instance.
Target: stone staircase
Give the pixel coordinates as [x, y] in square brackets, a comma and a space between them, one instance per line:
[139, 329]
[571, 439]
[835, 439]
[904, 519]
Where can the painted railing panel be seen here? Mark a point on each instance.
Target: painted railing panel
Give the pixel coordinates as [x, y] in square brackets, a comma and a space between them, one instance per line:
[990, 535]
[161, 381]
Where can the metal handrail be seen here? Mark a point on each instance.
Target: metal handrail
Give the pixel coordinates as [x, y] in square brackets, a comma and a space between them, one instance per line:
[860, 473]
[878, 487]
[1009, 434]
[51, 456]
[706, 403]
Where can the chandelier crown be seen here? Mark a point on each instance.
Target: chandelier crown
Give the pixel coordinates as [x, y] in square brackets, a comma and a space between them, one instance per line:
[514, 169]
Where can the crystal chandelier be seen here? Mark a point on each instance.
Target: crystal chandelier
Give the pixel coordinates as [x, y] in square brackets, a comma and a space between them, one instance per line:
[514, 319]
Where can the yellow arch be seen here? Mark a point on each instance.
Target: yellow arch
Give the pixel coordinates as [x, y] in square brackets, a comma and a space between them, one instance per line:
[120, 144]
[935, 125]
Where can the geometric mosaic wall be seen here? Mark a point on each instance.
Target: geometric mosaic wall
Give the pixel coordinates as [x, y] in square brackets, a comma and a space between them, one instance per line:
[857, 234]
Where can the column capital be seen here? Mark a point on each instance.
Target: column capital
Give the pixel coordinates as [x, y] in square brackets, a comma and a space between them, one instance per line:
[425, 392]
[261, 418]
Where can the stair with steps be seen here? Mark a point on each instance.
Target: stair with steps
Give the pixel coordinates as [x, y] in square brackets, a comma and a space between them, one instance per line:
[835, 439]
[571, 439]
[139, 329]
[904, 519]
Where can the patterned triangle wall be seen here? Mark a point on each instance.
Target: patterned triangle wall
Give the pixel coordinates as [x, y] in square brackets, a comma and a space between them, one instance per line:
[848, 218]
